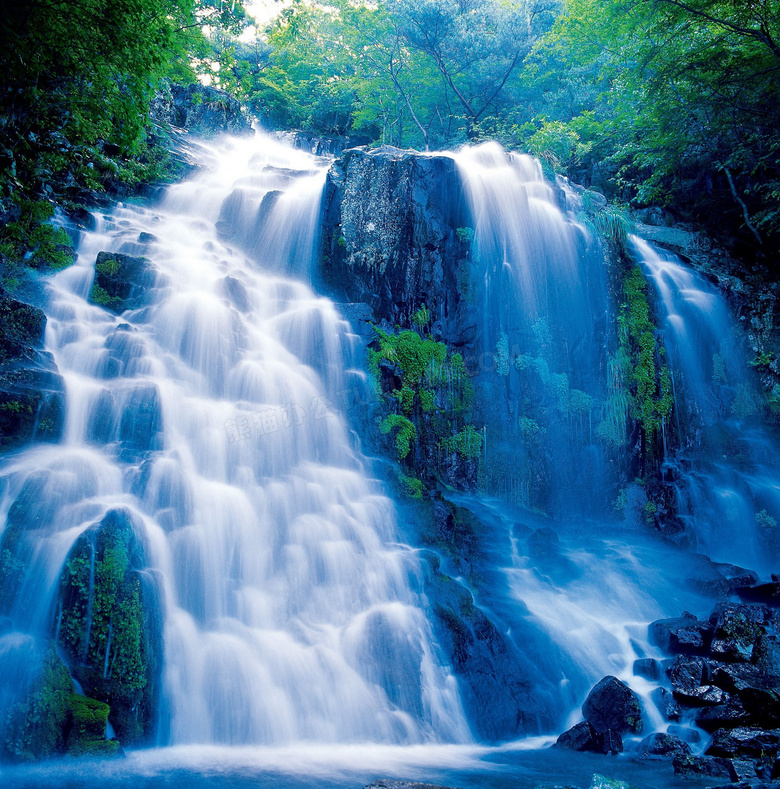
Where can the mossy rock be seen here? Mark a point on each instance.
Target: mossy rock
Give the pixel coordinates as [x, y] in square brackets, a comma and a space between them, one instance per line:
[88, 721]
[121, 281]
[89, 717]
[35, 725]
[110, 625]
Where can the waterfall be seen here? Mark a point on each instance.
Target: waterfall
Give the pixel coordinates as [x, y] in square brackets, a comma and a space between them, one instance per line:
[726, 469]
[207, 427]
[543, 288]
[212, 416]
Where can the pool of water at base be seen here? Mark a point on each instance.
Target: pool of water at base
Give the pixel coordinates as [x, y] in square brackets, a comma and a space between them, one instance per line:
[527, 764]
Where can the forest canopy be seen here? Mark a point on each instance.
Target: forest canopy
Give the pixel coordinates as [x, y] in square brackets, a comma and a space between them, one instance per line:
[665, 102]
[671, 102]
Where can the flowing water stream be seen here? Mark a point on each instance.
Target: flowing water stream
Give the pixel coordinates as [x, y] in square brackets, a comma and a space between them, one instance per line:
[726, 470]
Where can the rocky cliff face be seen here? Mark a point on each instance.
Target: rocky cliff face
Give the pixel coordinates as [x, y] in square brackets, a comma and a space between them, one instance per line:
[201, 110]
[391, 240]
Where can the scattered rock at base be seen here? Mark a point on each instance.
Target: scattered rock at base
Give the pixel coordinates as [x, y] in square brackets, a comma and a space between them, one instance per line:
[702, 766]
[603, 782]
[648, 668]
[744, 742]
[661, 745]
[683, 635]
[385, 783]
[580, 737]
[613, 706]
[583, 737]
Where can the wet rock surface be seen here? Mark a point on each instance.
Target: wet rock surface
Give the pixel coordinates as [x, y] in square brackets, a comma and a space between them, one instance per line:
[391, 240]
[109, 617]
[200, 109]
[724, 676]
[611, 710]
[612, 705]
[121, 281]
[32, 395]
[661, 745]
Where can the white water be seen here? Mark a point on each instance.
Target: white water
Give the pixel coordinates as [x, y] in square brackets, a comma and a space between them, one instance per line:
[212, 416]
[728, 467]
[544, 293]
[528, 253]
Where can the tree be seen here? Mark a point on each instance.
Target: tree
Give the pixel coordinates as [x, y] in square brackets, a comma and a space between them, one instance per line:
[688, 110]
[475, 44]
[76, 72]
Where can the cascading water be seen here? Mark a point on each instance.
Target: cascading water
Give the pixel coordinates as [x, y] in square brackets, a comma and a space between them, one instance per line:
[726, 468]
[209, 416]
[575, 593]
[545, 312]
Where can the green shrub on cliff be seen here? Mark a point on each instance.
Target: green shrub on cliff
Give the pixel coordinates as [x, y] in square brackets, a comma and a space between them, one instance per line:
[429, 386]
[406, 434]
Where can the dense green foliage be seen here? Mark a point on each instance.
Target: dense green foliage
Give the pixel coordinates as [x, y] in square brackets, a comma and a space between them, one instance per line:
[402, 72]
[679, 99]
[427, 398]
[651, 391]
[671, 102]
[78, 77]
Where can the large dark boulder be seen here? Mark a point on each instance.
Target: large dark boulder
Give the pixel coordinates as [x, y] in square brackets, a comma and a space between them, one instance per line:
[391, 238]
[109, 625]
[612, 705]
[32, 395]
[583, 737]
[736, 630]
[121, 281]
[685, 635]
[580, 737]
[687, 673]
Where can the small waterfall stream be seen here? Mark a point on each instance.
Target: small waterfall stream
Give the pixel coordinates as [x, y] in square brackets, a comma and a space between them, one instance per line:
[728, 485]
[545, 313]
